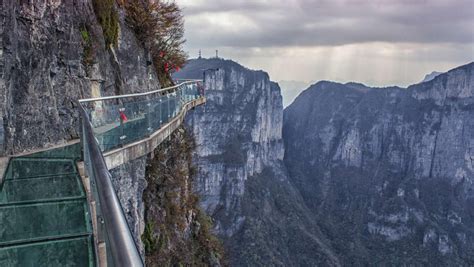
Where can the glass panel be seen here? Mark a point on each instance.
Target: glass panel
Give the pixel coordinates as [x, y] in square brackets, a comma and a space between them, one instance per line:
[33, 167]
[165, 109]
[41, 220]
[67, 152]
[43, 188]
[106, 121]
[69, 252]
[155, 114]
[135, 127]
[173, 105]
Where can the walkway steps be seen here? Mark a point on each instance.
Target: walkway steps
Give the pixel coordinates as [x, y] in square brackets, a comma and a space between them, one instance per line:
[40, 189]
[44, 215]
[37, 167]
[76, 251]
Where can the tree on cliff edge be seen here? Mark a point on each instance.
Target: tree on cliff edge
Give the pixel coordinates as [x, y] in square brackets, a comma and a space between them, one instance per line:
[159, 26]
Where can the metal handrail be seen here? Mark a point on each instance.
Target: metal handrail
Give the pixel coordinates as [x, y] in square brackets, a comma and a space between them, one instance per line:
[86, 100]
[188, 80]
[121, 243]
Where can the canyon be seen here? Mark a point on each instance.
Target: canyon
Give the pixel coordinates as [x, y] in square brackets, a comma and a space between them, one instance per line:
[365, 176]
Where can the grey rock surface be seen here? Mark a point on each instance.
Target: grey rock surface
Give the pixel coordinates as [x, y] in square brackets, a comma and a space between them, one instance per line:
[129, 182]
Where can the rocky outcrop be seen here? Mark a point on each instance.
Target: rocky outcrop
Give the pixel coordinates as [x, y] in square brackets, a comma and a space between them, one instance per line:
[388, 171]
[238, 133]
[241, 178]
[43, 69]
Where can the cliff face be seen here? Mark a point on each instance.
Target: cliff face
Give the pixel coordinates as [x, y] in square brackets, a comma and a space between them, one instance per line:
[388, 171]
[43, 69]
[241, 178]
[238, 133]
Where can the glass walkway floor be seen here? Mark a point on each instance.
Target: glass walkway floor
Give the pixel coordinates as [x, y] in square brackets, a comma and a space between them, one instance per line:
[44, 216]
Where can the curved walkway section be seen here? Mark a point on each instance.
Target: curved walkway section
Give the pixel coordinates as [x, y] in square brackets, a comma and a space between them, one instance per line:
[124, 119]
[130, 126]
[119, 156]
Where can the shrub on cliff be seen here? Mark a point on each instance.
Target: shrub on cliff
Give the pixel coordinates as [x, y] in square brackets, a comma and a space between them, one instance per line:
[159, 26]
[177, 232]
[89, 45]
[108, 18]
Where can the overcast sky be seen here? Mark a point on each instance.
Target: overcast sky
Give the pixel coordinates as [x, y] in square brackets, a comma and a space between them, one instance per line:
[377, 42]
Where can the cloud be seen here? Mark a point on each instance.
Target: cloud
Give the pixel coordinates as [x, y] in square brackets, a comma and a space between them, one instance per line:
[275, 23]
[378, 42]
[375, 64]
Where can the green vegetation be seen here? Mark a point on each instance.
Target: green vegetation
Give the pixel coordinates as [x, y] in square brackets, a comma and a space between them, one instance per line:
[159, 26]
[108, 18]
[177, 232]
[149, 241]
[85, 35]
[87, 43]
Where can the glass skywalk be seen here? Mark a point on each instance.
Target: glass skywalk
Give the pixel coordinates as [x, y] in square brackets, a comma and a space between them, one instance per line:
[44, 213]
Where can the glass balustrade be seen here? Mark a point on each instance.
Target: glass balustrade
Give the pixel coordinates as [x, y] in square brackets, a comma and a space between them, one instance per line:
[121, 120]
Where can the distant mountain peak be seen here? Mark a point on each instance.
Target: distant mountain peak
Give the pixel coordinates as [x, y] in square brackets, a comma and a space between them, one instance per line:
[356, 85]
[431, 76]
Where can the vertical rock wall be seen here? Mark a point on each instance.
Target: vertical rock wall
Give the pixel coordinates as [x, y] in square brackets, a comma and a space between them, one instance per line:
[238, 133]
[388, 170]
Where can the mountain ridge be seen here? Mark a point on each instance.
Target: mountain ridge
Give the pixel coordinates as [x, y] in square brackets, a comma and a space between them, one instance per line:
[394, 163]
